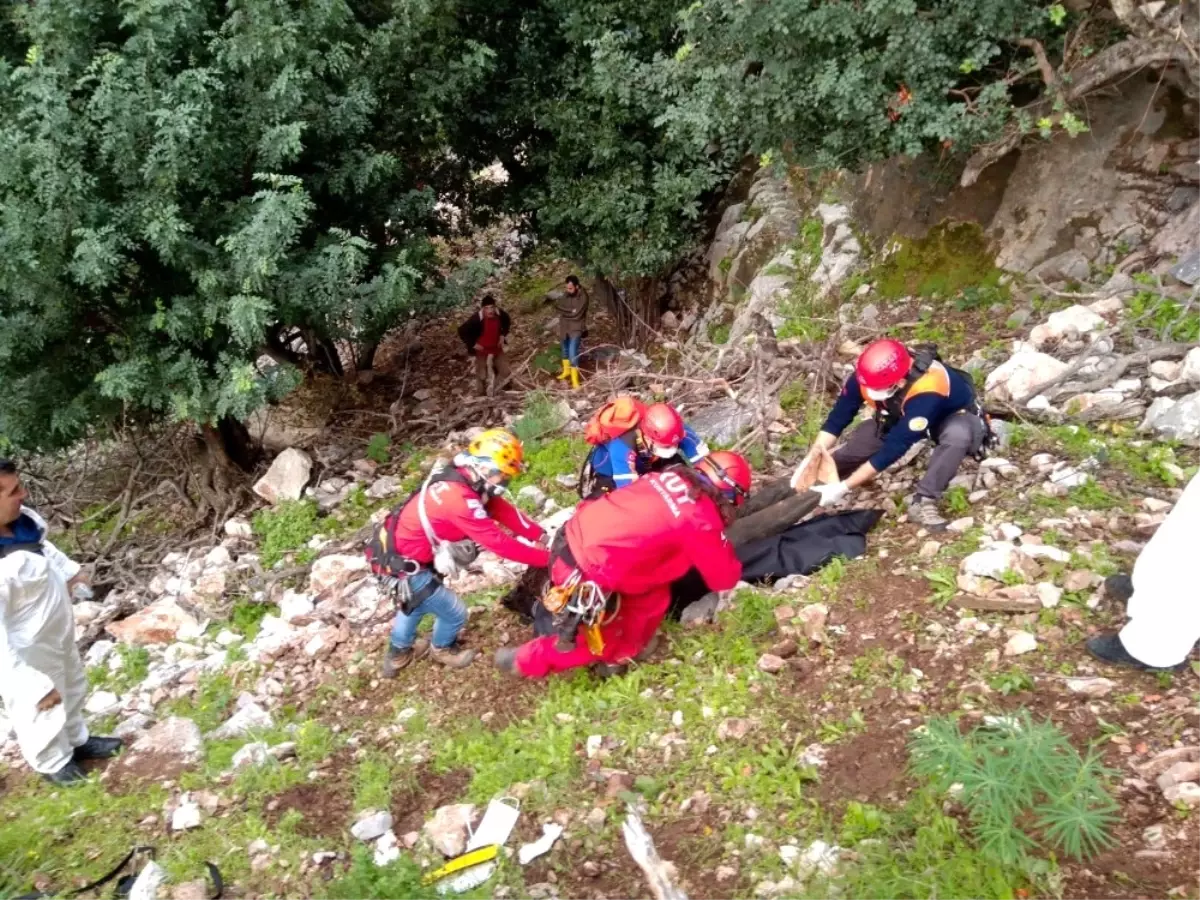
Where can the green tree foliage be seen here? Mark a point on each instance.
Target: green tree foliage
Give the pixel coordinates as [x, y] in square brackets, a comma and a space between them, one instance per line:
[185, 186]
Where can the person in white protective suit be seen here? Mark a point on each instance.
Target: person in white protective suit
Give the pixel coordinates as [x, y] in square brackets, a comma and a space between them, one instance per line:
[42, 680]
[1164, 606]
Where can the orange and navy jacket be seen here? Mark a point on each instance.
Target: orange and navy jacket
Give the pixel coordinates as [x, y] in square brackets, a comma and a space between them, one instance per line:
[649, 534]
[938, 393]
[458, 513]
[620, 459]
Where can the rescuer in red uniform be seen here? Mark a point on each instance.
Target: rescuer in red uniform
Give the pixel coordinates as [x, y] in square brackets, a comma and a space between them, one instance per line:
[437, 530]
[630, 545]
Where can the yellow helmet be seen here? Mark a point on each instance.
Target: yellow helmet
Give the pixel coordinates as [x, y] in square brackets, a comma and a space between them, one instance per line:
[500, 449]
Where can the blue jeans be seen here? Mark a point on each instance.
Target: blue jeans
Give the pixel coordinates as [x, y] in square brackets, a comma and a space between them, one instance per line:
[443, 604]
[570, 349]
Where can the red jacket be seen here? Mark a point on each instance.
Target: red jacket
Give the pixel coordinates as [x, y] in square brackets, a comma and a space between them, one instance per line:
[650, 533]
[456, 513]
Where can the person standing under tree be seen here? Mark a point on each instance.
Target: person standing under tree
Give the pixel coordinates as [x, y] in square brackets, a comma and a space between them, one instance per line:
[571, 303]
[485, 334]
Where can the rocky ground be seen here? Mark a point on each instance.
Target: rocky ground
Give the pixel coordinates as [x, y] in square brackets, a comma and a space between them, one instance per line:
[768, 748]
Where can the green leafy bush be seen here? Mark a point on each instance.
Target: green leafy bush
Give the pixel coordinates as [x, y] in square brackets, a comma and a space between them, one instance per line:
[1023, 785]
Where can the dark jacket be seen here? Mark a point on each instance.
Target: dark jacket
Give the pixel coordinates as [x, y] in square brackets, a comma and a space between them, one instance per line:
[572, 312]
[470, 330]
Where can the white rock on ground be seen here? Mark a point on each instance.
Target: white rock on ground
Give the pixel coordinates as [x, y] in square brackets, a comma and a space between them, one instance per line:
[295, 605]
[1070, 322]
[330, 573]
[186, 815]
[371, 824]
[98, 653]
[249, 717]
[239, 528]
[448, 829]
[172, 736]
[148, 882]
[162, 622]
[1174, 419]
[1091, 687]
[384, 487]
[250, 755]
[1020, 642]
[1190, 370]
[287, 477]
[1013, 379]
[387, 850]
[103, 703]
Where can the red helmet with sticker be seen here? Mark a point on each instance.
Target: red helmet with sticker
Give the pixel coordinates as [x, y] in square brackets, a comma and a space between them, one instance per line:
[884, 364]
[662, 429]
[729, 472]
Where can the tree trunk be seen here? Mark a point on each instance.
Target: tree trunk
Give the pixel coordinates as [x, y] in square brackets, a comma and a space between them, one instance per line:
[364, 356]
[238, 445]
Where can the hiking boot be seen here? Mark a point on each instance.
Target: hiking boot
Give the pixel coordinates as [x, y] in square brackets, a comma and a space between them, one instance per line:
[1118, 587]
[452, 657]
[98, 748]
[923, 511]
[610, 670]
[395, 659]
[648, 650]
[68, 776]
[506, 660]
[1108, 648]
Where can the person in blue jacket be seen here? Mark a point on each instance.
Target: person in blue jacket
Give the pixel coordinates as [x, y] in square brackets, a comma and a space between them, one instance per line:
[657, 435]
[913, 396]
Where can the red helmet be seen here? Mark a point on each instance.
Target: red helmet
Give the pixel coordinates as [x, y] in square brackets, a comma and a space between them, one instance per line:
[729, 472]
[884, 364]
[662, 429]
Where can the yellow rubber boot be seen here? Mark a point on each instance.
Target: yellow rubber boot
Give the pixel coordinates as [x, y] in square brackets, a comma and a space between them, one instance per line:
[566, 370]
[574, 378]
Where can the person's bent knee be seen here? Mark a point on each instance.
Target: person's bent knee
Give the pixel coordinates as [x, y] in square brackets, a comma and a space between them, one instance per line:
[959, 432]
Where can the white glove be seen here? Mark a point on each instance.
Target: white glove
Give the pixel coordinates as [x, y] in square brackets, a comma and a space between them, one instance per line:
[831, 493]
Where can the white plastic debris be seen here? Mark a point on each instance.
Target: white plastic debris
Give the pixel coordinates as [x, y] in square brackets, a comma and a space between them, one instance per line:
[551, 832]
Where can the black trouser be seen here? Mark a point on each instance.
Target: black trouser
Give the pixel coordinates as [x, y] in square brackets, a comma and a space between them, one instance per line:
[958, 436]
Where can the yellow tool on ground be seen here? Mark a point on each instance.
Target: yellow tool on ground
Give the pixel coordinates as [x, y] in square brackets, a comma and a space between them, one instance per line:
[466, 861]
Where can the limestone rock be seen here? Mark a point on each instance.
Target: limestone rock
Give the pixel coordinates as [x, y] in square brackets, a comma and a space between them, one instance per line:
[239, 528]
[162, 622]
[812, 621]
[1091, 687]
[103, 703]
[1013, 379]
[175, 735]
[448, 828]
[186, 815]
[332, 573]
[250, 755]
[384, 487]
[733, 729]
[1020, 642]
[1175, 419]
[286, 478]
[1067, 323]
[771, 664]
[372, 824]
[249, 717]
[1190, 370]
[1072, 265]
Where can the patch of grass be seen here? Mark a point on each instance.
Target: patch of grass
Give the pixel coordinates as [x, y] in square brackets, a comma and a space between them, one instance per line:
[955, 501]
[210, 705]
[366, 881]
[718, 333]
[1090, 495]
[1165, 317]
[919, 852]
[285, 528]
[545, 460]
[245, 616]
[540, 417]
[373, 782]
[132, 669]
[952, 257]
[379, 448]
